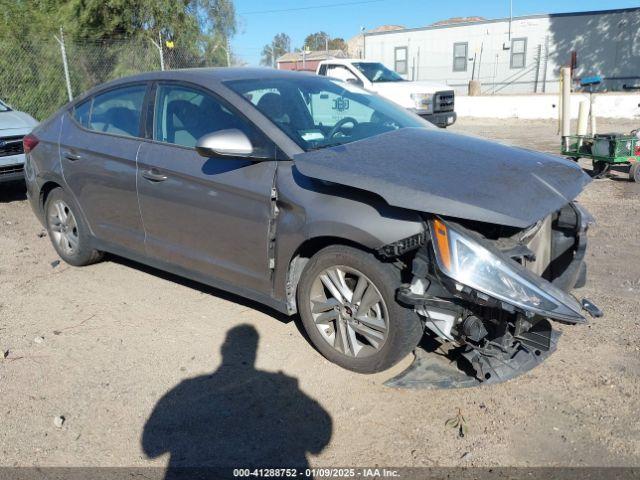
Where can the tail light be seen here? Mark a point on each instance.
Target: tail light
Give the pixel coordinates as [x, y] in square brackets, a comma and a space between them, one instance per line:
[30, 142]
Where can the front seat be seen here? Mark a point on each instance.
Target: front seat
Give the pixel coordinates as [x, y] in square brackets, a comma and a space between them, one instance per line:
[272, 105]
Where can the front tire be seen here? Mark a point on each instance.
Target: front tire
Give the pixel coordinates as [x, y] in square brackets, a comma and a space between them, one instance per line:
[67, 230]
[346, 299]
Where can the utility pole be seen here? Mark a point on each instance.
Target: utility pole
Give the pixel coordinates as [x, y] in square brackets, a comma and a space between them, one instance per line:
[510, 17]
[63, 51]
[273, 54]
[363, 31]
[228, 52]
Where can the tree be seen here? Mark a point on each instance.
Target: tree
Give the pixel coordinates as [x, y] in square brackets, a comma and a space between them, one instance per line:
[321, 40]
[104, 40]
[219, 26]
[280, 45]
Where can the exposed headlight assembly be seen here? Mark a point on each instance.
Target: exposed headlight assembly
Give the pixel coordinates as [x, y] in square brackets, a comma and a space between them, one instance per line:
[486, 270]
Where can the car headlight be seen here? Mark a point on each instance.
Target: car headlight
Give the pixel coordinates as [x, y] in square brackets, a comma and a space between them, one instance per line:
[488, 271]
[422, 101]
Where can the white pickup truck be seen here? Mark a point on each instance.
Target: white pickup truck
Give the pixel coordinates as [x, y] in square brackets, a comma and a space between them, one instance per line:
[432, 101]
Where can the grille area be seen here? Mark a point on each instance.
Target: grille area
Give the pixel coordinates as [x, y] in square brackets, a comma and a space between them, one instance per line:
[444, 101]
[11, 146]
[11, 170]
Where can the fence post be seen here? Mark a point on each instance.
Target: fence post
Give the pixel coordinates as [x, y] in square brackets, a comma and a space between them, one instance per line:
[159, 47]
[63, 51]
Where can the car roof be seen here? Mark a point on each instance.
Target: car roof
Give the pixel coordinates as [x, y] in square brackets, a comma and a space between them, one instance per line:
[203, 76]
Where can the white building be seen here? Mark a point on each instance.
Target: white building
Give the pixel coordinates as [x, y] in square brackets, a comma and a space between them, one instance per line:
[523, 55]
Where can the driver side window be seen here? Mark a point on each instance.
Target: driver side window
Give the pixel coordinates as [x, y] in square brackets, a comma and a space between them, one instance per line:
[183, 115]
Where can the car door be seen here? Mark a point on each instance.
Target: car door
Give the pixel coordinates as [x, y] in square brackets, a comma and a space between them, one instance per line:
[98, 147]
[208, 216]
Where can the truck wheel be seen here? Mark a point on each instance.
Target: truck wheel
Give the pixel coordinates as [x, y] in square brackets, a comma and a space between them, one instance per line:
[634, 172]
[67, 230]
[600, 169]
[346, 299]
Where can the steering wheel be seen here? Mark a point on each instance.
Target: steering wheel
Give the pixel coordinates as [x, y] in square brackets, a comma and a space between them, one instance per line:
[341, 123]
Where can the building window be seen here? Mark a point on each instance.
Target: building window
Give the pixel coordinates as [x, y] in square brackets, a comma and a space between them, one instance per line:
[518, 52]
[400, 61]
[460, 57]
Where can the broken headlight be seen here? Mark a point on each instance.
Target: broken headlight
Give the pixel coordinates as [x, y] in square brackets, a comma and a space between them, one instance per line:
[486, 270]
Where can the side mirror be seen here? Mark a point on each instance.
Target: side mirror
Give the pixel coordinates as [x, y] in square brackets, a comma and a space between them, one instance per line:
[229, 143]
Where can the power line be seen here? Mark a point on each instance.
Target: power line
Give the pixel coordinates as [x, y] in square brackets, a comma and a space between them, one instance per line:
[311, 7]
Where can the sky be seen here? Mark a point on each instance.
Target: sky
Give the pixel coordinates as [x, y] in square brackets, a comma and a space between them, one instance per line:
[260, 20]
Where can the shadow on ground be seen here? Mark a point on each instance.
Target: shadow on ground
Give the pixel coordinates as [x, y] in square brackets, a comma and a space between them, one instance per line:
[12, 192]
[236, 417]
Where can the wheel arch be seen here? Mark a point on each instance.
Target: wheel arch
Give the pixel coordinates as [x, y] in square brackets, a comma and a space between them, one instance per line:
[45, 190]
[303, 254]
[50, 185]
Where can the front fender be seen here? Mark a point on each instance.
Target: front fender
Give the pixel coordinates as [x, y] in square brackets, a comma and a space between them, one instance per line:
[310, 210]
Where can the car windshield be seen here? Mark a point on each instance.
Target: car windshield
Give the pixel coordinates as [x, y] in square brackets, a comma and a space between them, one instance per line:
[377, 72]
[318, 112]
[3, 107]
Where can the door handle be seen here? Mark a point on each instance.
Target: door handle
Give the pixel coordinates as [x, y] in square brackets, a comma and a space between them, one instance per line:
[154, 175]
[72, 156]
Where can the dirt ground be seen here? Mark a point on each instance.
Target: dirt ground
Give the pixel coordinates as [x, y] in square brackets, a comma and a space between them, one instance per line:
[131, 358]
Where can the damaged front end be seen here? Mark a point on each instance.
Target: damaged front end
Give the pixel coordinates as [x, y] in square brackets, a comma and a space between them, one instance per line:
[486, 293]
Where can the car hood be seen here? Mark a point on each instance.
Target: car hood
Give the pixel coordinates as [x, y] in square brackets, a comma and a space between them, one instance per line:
[430, 170]
[13, 120]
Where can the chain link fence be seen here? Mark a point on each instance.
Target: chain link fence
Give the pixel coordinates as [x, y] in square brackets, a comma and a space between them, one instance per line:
[33, 77]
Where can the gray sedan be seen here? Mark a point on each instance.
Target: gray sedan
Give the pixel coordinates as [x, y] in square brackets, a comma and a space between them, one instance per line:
[316, 197]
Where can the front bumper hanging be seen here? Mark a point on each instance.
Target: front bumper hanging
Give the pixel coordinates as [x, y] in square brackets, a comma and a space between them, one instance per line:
[463, 368]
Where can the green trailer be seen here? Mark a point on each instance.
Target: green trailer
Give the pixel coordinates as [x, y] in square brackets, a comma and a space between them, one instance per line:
[605, 151]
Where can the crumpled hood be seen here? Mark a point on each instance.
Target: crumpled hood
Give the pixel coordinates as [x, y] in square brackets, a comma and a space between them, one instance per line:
[13, 120]
[430, 170]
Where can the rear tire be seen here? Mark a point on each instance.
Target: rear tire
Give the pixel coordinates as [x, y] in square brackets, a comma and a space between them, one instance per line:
[68, 231]
[369, 332]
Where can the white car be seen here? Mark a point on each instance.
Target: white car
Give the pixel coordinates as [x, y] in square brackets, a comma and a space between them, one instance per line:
[13, 127]
[432, 101]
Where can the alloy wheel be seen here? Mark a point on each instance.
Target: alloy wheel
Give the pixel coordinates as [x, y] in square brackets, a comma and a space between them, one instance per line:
[64, 228]
[349, 311]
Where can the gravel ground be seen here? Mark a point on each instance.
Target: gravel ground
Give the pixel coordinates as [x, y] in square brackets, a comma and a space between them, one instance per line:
[131, 358]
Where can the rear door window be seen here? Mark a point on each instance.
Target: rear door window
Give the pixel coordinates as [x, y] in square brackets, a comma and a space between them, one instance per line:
[118, 111]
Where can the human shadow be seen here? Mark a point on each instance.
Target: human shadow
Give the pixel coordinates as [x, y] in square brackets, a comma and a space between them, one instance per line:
[236, 417]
